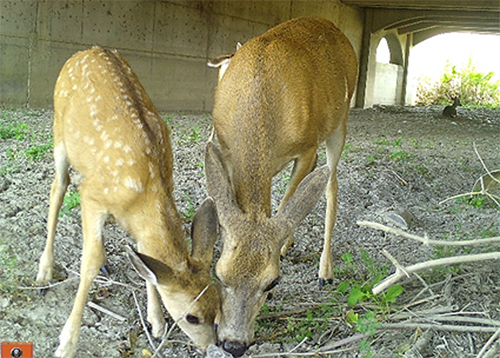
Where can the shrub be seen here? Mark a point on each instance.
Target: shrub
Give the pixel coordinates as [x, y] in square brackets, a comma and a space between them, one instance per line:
[471, 86]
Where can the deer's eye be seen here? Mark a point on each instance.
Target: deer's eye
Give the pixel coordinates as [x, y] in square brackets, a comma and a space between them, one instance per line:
[192, 319]
[272, 284]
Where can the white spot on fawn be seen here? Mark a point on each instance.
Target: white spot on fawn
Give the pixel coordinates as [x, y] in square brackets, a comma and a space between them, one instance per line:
[134, 185]
[93, 110]
[120, 162]
[118, 144]
[127, 149]
[151, 170]
[130, 162]
[105, 138]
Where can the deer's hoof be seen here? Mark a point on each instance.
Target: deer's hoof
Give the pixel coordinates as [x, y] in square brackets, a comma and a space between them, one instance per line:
[323, 282]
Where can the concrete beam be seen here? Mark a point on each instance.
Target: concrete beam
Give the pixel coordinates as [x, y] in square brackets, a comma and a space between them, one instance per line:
[167, 43]
[465, 5]
[390, 19]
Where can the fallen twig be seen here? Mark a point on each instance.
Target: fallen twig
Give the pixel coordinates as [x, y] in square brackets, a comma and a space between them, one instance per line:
[489, 343]
[419, 346]
[50, 285]
[482, 163]
[439, 327]
[399, 274]
[144, 327]
[343, 342]
[453, 318]
[95, 306]
[314, 353]
[410, 314]
[483, 191]
[426, 240]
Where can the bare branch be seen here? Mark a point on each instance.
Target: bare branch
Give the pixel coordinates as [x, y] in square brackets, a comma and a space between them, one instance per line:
[150, 339]
[482, 163]
[94, 305]
[489, 343]
[439, 327]
[425, 240]
[391, 280]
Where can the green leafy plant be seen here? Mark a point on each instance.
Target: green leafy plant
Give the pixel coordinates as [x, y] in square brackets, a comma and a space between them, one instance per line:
[189, 213]
[358, 292]
[71, 200]
[471, 86]
[370, 159]
[8, 262]
[477, 201]
[348, 148]
[11, 166]
[13, 130]
[194, 135]
[38, 152]
[400, 155]
[381, 141]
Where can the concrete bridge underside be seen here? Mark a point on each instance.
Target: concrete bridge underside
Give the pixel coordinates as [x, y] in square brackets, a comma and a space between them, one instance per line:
[404, 24]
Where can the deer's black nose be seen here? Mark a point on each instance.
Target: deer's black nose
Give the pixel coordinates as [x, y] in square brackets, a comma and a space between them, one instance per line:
[236, 348]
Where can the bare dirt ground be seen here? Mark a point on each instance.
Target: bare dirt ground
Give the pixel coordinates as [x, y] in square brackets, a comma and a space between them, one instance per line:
[396, 159]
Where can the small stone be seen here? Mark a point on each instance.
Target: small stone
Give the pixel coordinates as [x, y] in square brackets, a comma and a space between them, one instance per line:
[396, 219]
[403, 219]
[214, 351]
[4, 302]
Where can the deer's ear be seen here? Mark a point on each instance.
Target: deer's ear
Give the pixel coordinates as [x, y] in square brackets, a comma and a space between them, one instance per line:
[220, 61]
[303, 200]
[204, 231]
[150, 269]
[219, 186]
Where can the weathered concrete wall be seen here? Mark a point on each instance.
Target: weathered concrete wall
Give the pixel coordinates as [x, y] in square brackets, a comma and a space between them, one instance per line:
[167, 43]
[383, 83]
[388, 81]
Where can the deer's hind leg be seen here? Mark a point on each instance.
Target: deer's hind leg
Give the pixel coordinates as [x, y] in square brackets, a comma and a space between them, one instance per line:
[59, 186]
[334, 146]
[93, 217]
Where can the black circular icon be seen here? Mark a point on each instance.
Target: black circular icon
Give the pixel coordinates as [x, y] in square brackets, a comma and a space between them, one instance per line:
[16, 352]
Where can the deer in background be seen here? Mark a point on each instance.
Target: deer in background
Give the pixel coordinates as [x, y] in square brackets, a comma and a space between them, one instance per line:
[282, 94]
[107, 128]
[451, 111]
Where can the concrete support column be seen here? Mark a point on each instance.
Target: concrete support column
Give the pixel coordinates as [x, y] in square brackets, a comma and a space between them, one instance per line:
[404, 89]
[364, 60]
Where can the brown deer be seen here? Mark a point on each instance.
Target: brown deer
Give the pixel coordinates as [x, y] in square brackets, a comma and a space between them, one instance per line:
[107, 128]
[282, 95]
[451, 111]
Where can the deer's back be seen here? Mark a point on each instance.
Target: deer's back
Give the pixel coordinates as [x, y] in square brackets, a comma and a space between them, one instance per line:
[109, 127]
[285, 91]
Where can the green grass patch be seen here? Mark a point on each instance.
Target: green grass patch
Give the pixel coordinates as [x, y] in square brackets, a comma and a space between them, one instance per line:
[71, 200]
[14, 130]
[38, 152]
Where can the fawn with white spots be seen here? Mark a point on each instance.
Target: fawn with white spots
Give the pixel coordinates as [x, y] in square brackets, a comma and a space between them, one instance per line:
[279, 97]
[106, 127]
